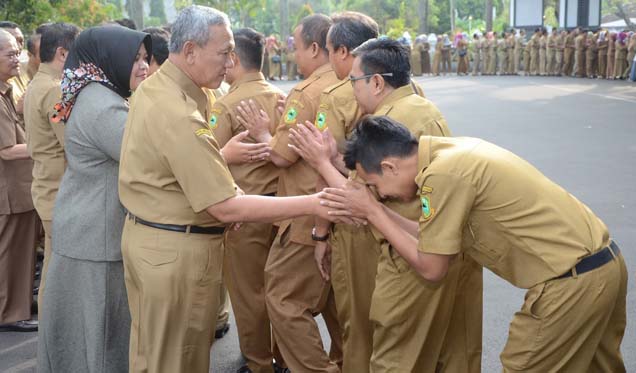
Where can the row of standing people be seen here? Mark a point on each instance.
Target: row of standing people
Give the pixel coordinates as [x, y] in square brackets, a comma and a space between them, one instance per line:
[601, 54]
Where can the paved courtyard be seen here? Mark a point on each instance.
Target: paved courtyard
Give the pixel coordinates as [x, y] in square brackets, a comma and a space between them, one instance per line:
[579, 132]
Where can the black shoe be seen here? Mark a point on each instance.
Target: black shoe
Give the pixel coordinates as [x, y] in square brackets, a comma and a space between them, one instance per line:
[36, 290]
[222, 331]
[244, 369]
[20, 326]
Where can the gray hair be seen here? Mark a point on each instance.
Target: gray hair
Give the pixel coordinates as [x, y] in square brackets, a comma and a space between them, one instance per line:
[192, 24]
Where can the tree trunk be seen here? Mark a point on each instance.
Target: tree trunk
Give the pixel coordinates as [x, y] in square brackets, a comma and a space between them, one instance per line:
[135, 9]
[422, 11]
[452, 16]
[284, 20]
[625, 16]
[488, 15]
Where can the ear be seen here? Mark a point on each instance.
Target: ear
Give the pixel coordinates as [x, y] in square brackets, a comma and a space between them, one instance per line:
[189, 51]
[342, 52]
[377, 84]
[61, 54]
[389, 167]
[315, 50]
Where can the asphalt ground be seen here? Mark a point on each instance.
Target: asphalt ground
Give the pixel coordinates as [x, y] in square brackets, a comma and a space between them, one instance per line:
[579, 132]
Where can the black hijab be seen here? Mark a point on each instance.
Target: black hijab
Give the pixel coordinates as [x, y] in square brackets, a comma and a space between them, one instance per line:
[113, 50]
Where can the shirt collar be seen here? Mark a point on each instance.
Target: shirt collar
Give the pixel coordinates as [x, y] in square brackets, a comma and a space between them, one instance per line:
[424, 153]
[187, 85]
[5, 88]
[47, 69]
[249, 77]
[394, 96]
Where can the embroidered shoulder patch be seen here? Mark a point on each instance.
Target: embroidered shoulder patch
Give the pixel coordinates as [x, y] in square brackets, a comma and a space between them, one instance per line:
[214, 122]
[321, 120]
[427, 210]
[203, 132]
[290, 116]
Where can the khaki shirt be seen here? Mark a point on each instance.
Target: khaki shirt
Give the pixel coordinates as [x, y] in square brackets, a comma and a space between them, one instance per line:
[422, 118]
[569, 41]
[300, 178]
[478, 198]
[45, 139]
[15, 176]
[171, 168]
[20, 83]
[579, 43]
[552, 41]
[258, 177]
[339, 112]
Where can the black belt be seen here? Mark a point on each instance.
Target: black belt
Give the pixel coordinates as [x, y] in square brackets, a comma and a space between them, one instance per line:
[594, 261]
[179, 228]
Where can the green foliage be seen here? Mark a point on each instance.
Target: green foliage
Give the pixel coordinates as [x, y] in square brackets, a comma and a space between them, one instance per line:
[31, 13]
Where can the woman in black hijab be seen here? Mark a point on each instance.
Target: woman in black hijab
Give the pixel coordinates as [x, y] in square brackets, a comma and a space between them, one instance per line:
[85, 320]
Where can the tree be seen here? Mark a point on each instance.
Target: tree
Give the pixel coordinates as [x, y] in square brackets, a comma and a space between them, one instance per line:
[621, 9]
[488, 13]
[135, 10]
[157, 10]
[422, 12]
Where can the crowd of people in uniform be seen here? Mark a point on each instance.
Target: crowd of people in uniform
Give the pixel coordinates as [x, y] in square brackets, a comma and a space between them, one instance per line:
[579, 53]
[347, 198]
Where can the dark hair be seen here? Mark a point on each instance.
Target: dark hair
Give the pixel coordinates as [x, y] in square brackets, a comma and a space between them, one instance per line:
[315, 28]
[127, 22]
[57, 35]
[30, 43]
[9, 25]
[249, 47]
[379, 56]
[376, 138]
[350, 29]
[160, 40]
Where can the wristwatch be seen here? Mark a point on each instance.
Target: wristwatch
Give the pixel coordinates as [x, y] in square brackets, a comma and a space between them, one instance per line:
[318, 238]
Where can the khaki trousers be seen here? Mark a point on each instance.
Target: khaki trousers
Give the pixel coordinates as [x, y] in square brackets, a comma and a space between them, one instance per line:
[568, 61]
[573, 324]
[246, 252]
[412, 318]
[18, 233]
[354, 261]
[517, 60]
[476, 63]
[295, 293]
[559, 62]
[172, 280]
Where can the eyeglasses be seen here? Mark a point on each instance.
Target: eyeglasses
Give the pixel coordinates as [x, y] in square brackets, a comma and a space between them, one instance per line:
[353, 79]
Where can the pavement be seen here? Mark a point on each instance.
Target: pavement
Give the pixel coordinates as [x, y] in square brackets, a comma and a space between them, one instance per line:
[579, 132]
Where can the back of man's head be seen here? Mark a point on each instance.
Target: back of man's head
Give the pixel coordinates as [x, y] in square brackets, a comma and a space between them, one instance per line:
[249, 45]
[383, 56]
[376, 138]
[351, 29]
[314, 30]
[9, 25]
[57, 35]
[126, 22]
[160, 39]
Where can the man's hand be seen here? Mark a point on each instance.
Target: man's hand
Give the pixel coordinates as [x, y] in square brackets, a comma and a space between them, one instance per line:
[322, 255]
[355, 200]
[255, 120]
[311, 144]
[236, 151]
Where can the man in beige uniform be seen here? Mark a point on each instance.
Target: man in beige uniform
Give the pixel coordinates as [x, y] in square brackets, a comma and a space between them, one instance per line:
[246, 250]
[179, 194]
[412, 317]
[18, 219]
[481, 200]
[45, 140]
[295, 291]
[352, 270]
